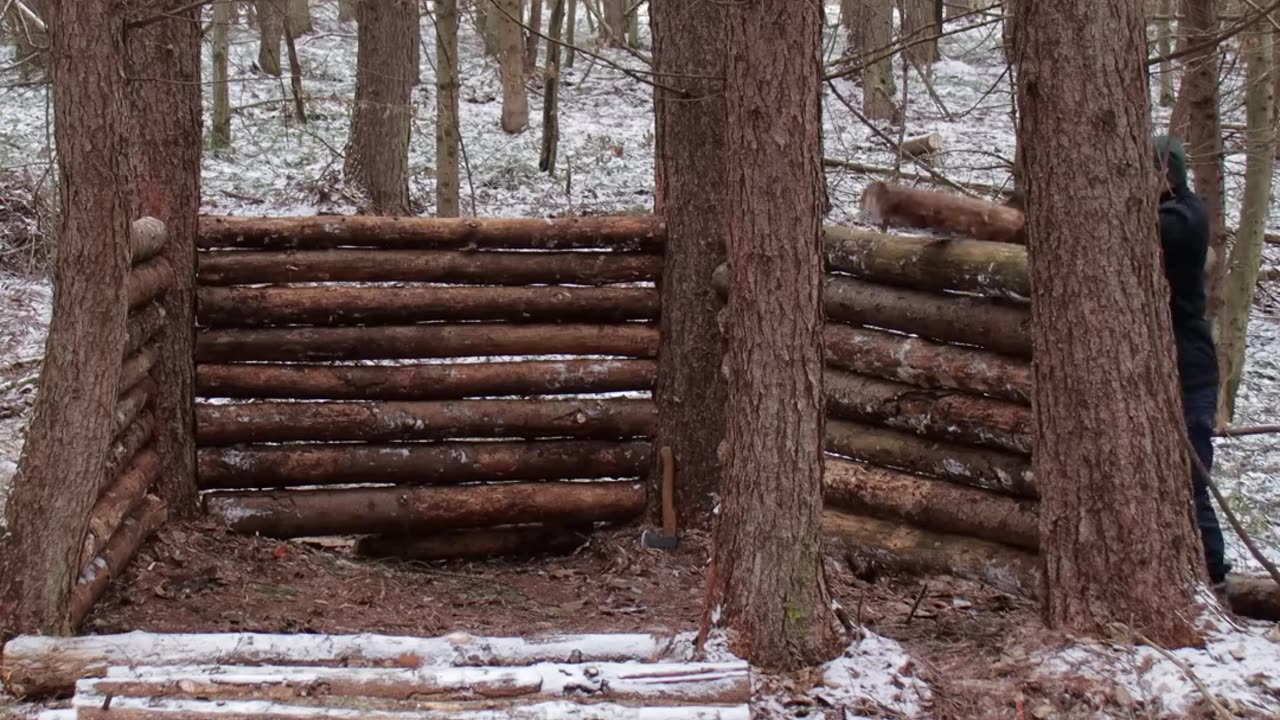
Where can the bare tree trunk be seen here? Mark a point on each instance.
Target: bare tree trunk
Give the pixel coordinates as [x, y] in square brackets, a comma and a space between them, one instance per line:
[515, 100]
[1204, 137]
[878, 86]
[531, 36]
[551, 92]
[1111, 463]
[614, 26]
[447, 128]
[690, 195]
[378, 151]
[220, 134]
[1164, 30]
[347, 10]
[571, 34]
[163, 64]
[766, 580]
[1009, 32]
[26, 22]
[917, 24]
[633, 29]
[271, 14]
[1246, 255]
[298, 18]
[955, 8]
[63, 462]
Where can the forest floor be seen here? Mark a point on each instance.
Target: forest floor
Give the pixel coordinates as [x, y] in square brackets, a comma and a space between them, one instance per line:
[940, 648]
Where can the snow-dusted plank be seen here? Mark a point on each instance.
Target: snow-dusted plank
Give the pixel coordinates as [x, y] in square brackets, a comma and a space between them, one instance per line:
[660, 683]
[40, 665]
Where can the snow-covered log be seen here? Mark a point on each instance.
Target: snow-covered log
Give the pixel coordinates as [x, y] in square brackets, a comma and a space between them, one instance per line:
[124, 495]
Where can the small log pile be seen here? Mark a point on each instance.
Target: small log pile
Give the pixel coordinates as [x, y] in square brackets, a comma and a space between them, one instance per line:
[242, 675]
[928, 394]
[443, 388]
[125, 512]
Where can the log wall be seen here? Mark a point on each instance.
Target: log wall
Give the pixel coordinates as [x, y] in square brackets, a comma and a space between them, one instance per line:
[439, 387]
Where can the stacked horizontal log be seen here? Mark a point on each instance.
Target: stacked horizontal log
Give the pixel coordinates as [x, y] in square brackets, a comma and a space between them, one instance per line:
[444, 388]
[125, 513]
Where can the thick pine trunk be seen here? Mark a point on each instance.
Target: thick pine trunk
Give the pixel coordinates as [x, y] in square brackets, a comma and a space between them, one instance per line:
[448, 136]
[271, 16]
[378, 151]
[766, 580]
[1110, 458]
[164, 101]
[73, 425]
[1246, 255]
[879, 89]
[220, 133]
[690, 188]
[515, 100]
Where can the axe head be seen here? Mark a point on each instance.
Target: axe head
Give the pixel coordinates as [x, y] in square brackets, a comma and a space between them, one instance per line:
[658, 541]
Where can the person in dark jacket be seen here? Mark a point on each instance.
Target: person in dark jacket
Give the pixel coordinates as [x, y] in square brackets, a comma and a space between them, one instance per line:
[1184, 236]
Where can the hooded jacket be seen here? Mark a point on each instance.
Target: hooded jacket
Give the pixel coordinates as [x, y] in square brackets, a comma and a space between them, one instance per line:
[1184, 236]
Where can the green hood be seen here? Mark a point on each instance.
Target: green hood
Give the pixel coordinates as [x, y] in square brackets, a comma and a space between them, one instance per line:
[1172, 156]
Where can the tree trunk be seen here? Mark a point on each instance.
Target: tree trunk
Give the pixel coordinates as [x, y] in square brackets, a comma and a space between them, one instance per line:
[448, 134]
[26, 22]
[515, 100]
[164, 101]
[613, 29]
[220, 133]
[298, 18]
[690, 194]
[766, 581]
[378, 152]
[633, 28]
[1110, 460]
[879, 90]
[853, 19]
[271, 17]
[1164, 46]
[1246, 255]
[72, 426]
[532, 36]
[571, 34]
[1204, 136]
[551, 92]
[347, 10]
[918, 23]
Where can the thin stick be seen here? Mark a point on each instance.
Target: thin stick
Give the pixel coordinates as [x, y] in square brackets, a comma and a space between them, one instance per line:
[1245, 430]
[1218, 709]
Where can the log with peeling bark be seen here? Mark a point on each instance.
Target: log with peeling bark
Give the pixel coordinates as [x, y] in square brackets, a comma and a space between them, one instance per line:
[930, 504]
[143, 326]
[122, 497]
[927, 364]
[131, 404]
[374, 511]
[130, 442]
[928, 263]
[426, 689]
[424, 382]
[624, 232]
[959, 319]
[424, 341]
[897, 206]
[283, 306]
[147, 237]
[272, 422]
[994, 470]
[148, 281]
[476, 543]
[944, 414]
[446, 463]
[115, 557]
[873, 542]
[137, 367]
[44, 665]
[437, 266]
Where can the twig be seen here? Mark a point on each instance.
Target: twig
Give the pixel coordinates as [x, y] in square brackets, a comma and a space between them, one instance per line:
[1244, 430]
[619, 42]
[913, 177]
[176, 12]
[916, 606]
[1218, 39]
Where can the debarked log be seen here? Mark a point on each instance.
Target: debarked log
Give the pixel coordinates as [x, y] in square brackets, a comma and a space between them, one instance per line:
[137, 366]
[121, 498]
[130, 442]
[425, 341]
[930, 504]
[623, 232]
[994, 470]
[131, 404]
[115, 557]
[897, 206]
[259, 422]
[143, 326]
[147, 238]
[447, 463]
[927, 364]
[476, 543]
[433, 266]
[928, 263]
[424, 382]
[944, 414]
[405, 511]
[148, 281]
[282, 306]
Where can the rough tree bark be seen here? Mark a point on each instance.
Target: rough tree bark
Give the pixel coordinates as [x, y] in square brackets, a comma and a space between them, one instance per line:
[515, 100]
[690, 195]
[448, 203]
[163, 62]
[1246, 255]
[271, 15]
[613, 29]
[220, 133]
[1204, 133]
[1109, 457]
[766, 580]
[63, 461]
[378, 152]
[879, 90]
[551, 92]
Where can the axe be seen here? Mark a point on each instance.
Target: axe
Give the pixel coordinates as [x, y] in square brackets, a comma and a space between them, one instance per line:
[665, 540]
